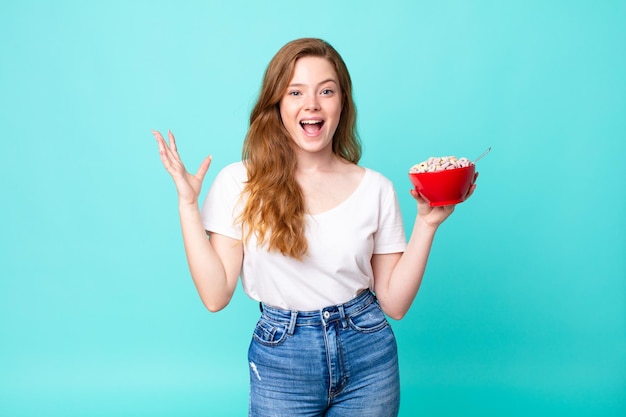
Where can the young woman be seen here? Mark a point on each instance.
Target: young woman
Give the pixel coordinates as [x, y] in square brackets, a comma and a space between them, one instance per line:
[317, 239]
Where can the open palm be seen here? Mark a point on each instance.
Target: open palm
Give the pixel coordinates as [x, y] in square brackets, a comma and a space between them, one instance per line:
[187, 185]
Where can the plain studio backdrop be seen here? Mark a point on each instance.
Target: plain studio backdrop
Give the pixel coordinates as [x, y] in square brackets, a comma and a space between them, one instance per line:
[523, 308]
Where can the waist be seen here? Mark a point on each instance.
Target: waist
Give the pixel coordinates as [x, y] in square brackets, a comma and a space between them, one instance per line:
[322, 316]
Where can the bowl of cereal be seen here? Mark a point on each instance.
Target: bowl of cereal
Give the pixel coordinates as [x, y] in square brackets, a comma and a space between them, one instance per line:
[443, 181]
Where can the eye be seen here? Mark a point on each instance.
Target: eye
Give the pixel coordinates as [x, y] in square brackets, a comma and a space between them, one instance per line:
[327, 91]
[294, 93]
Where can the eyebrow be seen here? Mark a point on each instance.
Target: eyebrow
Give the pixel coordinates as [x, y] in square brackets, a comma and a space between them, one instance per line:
[323, 82]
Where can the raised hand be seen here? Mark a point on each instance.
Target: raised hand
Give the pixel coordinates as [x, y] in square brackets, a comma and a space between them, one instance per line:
[187, 185]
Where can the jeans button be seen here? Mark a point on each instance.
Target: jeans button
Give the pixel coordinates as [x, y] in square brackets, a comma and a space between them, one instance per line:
[326, 315]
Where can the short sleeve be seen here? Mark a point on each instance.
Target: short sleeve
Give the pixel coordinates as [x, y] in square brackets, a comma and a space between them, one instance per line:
[390, 236]
[223, 203]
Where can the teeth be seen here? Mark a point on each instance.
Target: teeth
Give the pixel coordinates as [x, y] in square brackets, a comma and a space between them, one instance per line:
[310, 122]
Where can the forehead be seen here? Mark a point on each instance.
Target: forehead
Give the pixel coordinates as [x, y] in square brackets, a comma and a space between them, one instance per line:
[313, 70]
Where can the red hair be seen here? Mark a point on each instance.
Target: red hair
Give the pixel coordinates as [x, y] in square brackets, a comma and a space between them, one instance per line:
[275, 209]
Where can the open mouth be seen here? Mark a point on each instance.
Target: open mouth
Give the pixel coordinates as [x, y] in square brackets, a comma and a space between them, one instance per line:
[312, 126]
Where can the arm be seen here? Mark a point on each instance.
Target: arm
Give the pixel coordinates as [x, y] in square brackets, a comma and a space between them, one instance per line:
[398, 276]
[214, 263]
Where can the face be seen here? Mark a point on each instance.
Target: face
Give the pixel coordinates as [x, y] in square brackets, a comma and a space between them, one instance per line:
[311, 106]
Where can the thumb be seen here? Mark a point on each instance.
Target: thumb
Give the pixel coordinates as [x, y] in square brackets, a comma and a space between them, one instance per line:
[204, 167]
[417, 196]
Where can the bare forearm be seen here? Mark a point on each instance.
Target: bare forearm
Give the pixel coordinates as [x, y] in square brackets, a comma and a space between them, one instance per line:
[406, 276]
[205, 265]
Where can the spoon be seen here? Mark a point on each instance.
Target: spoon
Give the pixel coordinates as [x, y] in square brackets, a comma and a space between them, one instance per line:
[481, 155]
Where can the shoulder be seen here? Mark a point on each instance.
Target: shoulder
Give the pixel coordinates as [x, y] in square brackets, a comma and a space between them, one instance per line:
[235, 169]
[378, 178]
[234, 172]
[229, 180]
[380, 188]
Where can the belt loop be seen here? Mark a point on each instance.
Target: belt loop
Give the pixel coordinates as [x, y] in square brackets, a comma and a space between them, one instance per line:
[342, 314]
[292, 323]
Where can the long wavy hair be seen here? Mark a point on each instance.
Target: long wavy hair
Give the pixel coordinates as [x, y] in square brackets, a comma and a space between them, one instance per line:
[274, 210]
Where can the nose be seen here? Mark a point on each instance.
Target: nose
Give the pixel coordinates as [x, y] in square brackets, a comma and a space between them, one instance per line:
[312, 102]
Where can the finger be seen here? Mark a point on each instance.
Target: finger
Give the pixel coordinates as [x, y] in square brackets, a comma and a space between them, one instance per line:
[163, 147]
[159, 138]
[416, 195]
[470, 192]
[204, 167]
[164, 151]
[160, 142]
[172, 141]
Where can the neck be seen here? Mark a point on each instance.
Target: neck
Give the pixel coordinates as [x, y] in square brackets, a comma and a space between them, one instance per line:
[315, 162]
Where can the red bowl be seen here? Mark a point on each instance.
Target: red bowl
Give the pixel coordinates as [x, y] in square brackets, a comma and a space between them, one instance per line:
[443, 188]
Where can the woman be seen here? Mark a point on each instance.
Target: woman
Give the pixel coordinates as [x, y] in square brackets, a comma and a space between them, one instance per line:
[313, 236]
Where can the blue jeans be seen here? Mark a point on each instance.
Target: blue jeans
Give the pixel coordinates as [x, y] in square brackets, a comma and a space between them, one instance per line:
[339, 361]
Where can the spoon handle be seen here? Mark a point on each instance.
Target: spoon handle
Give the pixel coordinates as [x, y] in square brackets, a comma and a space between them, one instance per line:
[481, 155]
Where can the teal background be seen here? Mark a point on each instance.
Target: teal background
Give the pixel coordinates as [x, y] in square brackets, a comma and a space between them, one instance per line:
[523, 309]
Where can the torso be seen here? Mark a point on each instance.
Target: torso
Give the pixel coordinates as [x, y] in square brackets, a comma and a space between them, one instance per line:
[356, 215]
[324, 190]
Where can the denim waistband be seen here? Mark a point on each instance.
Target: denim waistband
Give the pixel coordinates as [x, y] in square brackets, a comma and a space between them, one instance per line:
[319, 317]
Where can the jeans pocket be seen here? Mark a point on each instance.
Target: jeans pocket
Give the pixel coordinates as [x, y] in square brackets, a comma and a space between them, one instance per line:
[269, 333]
[370, 319]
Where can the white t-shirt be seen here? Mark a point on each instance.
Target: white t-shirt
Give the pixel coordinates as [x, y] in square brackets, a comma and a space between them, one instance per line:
[341, 243]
